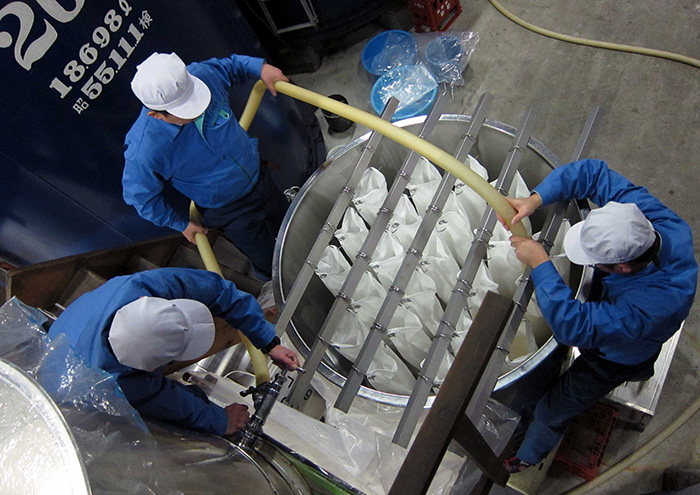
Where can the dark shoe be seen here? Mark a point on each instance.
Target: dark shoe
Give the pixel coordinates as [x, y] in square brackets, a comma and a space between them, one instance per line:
[514, 464]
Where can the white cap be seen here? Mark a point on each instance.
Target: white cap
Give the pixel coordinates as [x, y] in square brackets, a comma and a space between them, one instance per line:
[615, 233]
[151, 331]
[163, 83]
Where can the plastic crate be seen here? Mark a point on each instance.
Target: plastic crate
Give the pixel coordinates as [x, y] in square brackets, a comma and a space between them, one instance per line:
[583, 447]
[434, 15]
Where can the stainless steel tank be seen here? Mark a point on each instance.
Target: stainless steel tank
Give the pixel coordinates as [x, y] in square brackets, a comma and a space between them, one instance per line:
[40, 454]
[312, 204]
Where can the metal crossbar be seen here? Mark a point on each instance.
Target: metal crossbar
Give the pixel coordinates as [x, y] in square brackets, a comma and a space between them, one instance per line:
[410, 262]
[458, 300]
[330, 225]
[347, 290]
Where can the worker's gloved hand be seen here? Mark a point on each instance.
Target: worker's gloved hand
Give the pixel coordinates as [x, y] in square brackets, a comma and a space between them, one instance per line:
[238, 416]
[192, 229]
[284, 357]
[528, 251]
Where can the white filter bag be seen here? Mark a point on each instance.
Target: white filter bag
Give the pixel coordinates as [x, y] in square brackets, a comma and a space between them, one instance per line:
[424, 172]
[352, 233]
[404, 222]
[333, 268]
[437, 262]
[482, 284]
[463, 326]
[471, 203]
[455, 230]
[387, 372]
[504, 267]
[561, 262]
[426, 306]
[422, 195]
[408, 337]
[370, 194]
[386, 262]
[387, 259]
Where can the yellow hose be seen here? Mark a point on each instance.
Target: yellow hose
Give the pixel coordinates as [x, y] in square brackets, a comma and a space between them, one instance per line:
[594, 43]
[262, 374]
[436, 155]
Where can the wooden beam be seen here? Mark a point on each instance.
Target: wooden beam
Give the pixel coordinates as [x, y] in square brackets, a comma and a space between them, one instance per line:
[459, 386]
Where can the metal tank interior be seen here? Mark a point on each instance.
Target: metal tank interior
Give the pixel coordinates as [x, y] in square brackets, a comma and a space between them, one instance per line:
[309, 211]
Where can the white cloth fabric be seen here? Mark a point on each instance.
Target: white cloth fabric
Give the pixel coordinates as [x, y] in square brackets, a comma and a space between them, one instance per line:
[352, 232]
[370, 194]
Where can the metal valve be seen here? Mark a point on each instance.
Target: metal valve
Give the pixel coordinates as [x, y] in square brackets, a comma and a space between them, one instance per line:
[264, 397]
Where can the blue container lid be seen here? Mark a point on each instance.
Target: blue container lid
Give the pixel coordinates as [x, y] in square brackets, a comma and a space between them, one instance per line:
[388, 50]
[418, 107]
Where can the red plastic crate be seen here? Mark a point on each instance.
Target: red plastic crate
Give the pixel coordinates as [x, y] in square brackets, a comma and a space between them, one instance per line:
[434, 15]
[582, 448]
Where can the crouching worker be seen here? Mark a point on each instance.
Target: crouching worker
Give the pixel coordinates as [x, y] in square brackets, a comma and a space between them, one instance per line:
[133, 326]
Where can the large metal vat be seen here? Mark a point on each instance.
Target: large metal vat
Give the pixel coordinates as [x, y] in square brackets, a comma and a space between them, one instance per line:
[314, 201]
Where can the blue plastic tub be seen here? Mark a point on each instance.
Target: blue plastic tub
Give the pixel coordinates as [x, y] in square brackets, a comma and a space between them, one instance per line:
[418, 107]
[388, 50]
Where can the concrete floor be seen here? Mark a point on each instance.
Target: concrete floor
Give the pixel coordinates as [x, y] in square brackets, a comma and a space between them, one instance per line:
[649, 134]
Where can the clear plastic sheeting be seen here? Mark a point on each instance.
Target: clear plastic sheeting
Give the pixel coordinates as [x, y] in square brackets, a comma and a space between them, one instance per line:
[100, 418]
[447, 54]
[406, 83]
[366, 431]
[119, 452]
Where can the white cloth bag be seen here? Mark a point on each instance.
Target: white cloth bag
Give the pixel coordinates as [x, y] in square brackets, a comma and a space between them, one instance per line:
[482, 284]
[456, 232]
[387, 372]
[370, 194]
[504, 267]
[404, 222]
[333, 268]
[471, 203]
[352, 232]
[437, 262]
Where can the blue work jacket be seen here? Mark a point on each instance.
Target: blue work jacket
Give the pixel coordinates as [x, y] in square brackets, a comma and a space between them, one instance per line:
[213, 168]
[635, 314]
[86, 323]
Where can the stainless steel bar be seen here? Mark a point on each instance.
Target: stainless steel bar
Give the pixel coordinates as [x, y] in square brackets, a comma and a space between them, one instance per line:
[410, 262]
[458, 300]
[330, 226]
[525, 288]
[344, 297]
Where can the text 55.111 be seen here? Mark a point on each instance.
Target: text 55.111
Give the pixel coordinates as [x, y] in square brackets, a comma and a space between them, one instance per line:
[104, 73]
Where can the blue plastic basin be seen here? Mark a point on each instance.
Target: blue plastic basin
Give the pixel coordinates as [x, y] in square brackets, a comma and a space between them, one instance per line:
[388, 50]
[418, 107]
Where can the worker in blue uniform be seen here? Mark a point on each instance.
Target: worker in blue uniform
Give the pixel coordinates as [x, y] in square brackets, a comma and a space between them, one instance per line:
[644, 282]
[187, 135]
[134, 325]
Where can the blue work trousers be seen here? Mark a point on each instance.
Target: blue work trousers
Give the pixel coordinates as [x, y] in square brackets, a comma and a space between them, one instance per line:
[252, 222]
[589, 379]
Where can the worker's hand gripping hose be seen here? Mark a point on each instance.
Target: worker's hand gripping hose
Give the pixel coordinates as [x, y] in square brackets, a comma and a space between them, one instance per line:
[436, 155]
[257, 358]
